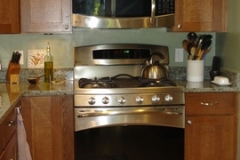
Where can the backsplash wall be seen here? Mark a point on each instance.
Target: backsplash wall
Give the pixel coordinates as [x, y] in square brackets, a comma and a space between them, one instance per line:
[62, 44]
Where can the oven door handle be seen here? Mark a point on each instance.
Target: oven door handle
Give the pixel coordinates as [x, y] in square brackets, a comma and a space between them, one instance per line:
[118, 112]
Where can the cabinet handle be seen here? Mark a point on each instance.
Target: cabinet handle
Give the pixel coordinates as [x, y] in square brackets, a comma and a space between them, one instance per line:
[189, 122]
[179, 26]
[66, 26]
[152, 19]
[11, 123]
[209, 104]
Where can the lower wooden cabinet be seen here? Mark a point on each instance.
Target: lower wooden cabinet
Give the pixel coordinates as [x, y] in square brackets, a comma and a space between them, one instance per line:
[49, 126]
[8, 137]
[211, 126]
[10, 152]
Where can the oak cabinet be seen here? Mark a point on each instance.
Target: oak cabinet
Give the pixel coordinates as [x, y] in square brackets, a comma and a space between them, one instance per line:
[9, 16]
[8, 137]
[200, 16]
[49, 126]
[211, 126]
[46, 16]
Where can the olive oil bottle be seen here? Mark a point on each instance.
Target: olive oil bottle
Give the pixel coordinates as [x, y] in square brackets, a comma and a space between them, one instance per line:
[48, 65]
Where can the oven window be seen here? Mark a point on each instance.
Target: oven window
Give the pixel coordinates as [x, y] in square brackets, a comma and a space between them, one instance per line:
[130, 143]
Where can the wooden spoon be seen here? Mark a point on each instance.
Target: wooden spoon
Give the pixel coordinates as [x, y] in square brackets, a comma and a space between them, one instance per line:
[185, 44]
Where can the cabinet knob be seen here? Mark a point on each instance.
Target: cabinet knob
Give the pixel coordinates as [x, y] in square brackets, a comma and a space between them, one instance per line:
[179, 26]
[66, 26]
[11, 123]
[189, 122]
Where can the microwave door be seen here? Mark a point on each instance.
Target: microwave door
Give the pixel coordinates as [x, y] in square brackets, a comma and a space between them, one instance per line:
[123, 13]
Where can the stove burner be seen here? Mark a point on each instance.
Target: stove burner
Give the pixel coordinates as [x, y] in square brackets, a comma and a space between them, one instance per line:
[156, 82]
[89, 83]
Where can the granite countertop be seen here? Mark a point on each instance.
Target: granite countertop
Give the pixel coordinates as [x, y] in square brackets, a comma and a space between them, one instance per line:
[11, 93]
[206, 86]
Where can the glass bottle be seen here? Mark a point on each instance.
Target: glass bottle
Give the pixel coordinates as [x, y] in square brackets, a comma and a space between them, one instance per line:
[48, 65]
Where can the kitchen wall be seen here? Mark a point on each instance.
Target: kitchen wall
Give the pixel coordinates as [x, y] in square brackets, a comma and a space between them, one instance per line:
[62, 44]
[227, 44]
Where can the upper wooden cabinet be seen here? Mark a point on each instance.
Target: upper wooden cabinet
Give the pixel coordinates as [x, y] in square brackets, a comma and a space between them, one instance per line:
[200, 16]
[44, 16]
[9, 16]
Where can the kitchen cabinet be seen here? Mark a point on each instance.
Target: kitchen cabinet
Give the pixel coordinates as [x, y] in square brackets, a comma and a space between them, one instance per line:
[200, 16]
[8, 137]
[211, 126]
[46, 16]
[9, 16]
[49, 126]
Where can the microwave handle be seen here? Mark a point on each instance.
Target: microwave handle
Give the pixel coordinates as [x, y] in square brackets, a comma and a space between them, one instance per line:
[153, 8]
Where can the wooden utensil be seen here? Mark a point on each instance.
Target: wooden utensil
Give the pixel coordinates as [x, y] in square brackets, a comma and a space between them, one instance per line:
[185, 44]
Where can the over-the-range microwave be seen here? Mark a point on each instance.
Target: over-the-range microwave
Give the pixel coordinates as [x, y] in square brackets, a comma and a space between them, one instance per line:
[123, 13]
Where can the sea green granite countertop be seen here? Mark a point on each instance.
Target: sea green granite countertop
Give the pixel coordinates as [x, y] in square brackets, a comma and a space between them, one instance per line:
[11, 93]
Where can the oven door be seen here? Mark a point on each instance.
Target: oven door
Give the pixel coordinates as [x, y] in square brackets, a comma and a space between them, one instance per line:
[172, 116]
[155, 133]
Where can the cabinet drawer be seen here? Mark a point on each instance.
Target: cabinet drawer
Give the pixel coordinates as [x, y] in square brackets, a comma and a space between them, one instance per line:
[210, 103]
[9, 127]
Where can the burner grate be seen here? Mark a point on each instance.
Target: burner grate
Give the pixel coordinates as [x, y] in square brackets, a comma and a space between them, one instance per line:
[156, 82]
[119, 82]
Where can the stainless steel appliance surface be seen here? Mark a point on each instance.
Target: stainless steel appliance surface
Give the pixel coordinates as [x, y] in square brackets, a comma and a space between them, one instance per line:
[123, 13]
[109, 89]
[119, 114]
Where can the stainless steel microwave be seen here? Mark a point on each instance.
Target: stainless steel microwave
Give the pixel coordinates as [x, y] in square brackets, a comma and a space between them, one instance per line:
[123, 13]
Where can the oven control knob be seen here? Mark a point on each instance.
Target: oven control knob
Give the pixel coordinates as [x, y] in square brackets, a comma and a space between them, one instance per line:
[155, 99]
[91, 100]
[139, 99]
[168, 98]
[122, 100]
[105, 100]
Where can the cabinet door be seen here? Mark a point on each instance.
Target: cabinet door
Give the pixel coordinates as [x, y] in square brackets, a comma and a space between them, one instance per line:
[9, 16]
[49, 126]
[201, 15]
[47, 16]
[210, 138]
[10, 152]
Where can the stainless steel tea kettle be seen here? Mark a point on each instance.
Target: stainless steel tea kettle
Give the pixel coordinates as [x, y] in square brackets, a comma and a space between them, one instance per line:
[154, 70]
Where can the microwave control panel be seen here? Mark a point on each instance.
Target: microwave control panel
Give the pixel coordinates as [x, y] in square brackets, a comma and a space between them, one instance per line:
[165, 7]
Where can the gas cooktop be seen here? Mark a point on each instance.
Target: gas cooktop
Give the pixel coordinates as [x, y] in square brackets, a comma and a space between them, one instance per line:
[123, 81]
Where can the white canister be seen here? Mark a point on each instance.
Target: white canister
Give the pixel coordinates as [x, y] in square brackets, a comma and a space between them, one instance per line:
[195, 70]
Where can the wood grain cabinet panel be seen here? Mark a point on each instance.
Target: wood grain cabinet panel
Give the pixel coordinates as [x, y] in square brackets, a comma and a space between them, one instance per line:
[200, 16]
[211, 126]
[10, 152]
[8, 139]
[49, 126]
[9, 16]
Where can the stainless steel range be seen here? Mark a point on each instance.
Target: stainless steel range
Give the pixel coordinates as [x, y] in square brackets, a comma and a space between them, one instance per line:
[110, 90]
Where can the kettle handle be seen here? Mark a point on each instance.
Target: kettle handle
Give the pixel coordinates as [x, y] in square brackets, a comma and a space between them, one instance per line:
[158, 55]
